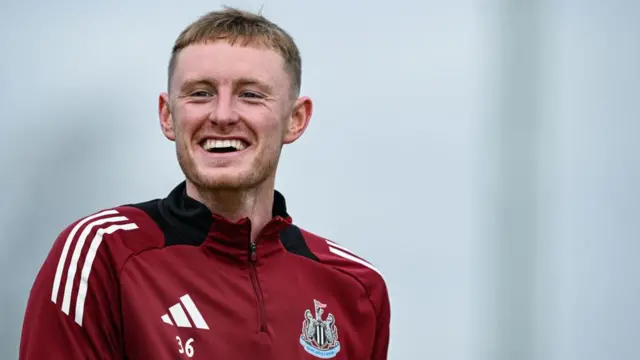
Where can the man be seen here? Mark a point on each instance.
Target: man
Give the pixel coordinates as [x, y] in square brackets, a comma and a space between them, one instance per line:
[217, 269]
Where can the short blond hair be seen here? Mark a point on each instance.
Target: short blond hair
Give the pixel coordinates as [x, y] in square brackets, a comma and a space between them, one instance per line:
[234, 25]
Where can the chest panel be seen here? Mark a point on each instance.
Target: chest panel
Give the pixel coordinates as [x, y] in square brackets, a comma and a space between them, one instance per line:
[181, 303]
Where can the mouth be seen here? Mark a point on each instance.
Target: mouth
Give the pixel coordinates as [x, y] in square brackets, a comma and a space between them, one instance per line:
[220, 146]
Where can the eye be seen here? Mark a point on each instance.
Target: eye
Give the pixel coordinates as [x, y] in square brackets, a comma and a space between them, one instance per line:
[201, 93]
[251, 95]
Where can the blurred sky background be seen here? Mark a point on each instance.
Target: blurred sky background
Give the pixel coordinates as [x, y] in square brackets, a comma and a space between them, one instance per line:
[483, 154]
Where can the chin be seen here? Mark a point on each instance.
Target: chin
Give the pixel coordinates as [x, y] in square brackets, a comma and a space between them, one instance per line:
[225, 179]
[242, 175]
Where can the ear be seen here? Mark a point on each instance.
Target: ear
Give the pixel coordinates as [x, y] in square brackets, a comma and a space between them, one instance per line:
[299, 120]
[166, 118]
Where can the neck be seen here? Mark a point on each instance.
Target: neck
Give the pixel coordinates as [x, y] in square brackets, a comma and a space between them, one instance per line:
[256, 204]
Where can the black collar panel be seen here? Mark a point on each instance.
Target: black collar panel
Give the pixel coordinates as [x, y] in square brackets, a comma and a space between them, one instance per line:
[189, 222]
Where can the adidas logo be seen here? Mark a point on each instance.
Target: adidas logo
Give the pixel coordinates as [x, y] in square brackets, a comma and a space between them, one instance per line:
[180, 319]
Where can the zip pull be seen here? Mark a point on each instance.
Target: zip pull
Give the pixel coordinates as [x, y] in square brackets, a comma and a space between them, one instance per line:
[253, 256]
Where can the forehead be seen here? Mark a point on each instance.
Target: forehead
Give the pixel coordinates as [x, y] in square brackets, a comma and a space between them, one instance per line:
[223, 62]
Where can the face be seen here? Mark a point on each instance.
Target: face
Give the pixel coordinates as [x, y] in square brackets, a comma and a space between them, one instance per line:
[229, 111]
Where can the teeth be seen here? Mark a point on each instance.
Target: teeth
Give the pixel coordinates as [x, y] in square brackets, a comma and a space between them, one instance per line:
[237, 144]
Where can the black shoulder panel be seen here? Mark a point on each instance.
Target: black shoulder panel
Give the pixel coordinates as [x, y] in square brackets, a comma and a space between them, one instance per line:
[293, 240]
[174, 232]
[153, 211]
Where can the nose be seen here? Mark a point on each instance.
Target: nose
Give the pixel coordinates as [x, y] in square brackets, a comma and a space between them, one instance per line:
[223, 112]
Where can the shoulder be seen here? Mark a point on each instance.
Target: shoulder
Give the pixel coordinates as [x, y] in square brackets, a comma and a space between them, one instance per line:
[334, 254]
[331, 253]
[81, 271]
[118, 231]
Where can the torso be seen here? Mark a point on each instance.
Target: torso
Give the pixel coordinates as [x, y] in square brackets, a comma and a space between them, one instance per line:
[245, 312]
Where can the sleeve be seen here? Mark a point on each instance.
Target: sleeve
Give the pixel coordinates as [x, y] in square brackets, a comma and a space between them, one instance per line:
[383, 324]
[73, 310]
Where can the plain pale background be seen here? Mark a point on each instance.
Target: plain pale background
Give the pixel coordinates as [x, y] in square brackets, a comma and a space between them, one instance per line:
[483, 154]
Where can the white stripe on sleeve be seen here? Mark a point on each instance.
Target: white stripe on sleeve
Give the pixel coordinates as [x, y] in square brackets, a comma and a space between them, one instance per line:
[73, 265]
[353, 258]
[65, 250]
[88, 264]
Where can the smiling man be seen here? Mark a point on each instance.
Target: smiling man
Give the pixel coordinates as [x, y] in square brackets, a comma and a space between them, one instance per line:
[216, 269]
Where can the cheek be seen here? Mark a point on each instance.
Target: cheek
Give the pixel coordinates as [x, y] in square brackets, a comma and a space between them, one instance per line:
[272, 126]
[186, 121]
[272, 135]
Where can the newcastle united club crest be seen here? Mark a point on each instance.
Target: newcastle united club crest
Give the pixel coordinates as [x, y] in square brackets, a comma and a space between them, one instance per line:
[320, 337]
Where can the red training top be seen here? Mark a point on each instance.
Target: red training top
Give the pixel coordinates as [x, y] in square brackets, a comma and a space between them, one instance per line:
[167, 280]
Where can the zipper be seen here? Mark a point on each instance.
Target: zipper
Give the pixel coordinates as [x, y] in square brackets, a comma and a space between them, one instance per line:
[253, 257]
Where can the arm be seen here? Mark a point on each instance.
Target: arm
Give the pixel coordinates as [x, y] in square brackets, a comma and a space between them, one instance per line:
[381, 345]
[73, 311]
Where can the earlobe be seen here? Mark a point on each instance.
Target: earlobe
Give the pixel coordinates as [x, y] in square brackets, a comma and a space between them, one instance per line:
[164, 113]
[300, 117]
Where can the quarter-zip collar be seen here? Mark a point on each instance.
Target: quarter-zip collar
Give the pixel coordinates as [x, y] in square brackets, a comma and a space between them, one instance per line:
[195, 224]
